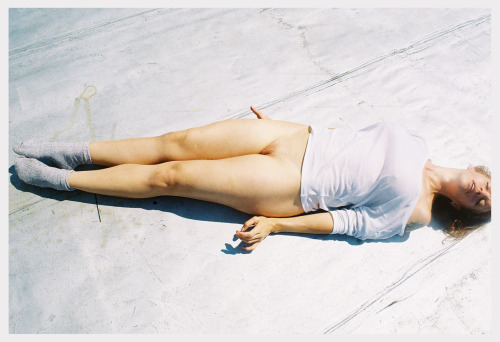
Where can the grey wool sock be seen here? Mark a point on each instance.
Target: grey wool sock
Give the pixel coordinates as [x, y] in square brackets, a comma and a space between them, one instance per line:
[63, 155]
[36, 173]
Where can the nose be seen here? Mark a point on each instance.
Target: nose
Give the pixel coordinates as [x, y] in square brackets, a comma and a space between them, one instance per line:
[481, 192]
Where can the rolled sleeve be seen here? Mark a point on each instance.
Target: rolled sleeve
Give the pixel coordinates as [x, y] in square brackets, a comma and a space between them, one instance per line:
[360, 222]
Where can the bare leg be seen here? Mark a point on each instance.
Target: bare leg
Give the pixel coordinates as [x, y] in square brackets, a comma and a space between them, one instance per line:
[256, 184]
[260, 184]
[219, 140]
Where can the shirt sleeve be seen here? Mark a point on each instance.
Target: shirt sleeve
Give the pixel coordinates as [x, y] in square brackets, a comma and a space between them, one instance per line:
[362, 222]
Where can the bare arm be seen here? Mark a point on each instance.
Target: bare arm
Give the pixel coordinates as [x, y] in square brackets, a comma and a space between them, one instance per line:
[317, 223]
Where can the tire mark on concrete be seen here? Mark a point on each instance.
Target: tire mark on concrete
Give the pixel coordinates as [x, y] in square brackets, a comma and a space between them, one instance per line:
[420, 44]
[47, 43]
[414, 269]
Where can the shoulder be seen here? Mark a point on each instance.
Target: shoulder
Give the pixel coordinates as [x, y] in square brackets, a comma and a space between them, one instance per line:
[422, 212]
[421, 215]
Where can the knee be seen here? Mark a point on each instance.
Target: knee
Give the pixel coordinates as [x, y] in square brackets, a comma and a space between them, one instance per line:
[165, 176]
[179, 144]
[187, 136]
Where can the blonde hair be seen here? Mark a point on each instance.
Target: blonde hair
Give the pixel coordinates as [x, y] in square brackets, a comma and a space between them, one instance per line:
[459, 223]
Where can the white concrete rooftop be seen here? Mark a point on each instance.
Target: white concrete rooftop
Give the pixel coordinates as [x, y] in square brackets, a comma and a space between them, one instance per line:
[80, 263]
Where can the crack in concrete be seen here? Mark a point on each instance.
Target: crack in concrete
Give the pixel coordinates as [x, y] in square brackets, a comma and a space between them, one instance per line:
[422, 43]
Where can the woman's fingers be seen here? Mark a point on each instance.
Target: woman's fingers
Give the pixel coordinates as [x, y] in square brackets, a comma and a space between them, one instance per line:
[249, 237]
[249, 223]
[251, 247]
[254, 236]
[262, 228]
[259, 114]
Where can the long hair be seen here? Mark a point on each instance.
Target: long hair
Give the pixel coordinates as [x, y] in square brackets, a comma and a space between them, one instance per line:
[459, 223]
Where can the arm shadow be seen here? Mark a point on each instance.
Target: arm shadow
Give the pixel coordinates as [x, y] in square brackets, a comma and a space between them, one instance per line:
[334, 237]
[327, 237]
[351, 240]
[186, 208]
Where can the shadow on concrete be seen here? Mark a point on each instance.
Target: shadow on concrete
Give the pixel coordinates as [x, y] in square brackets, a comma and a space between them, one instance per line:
[186, 208]
[341, 238]
[335, 237]
[183, 207]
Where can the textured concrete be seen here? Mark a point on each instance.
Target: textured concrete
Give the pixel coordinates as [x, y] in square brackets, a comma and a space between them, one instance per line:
[80, 263]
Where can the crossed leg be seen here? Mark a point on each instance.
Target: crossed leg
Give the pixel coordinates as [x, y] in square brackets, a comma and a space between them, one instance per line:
[251, 165]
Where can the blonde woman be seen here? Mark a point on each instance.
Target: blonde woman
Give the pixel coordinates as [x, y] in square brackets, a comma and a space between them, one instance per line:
[371, 184]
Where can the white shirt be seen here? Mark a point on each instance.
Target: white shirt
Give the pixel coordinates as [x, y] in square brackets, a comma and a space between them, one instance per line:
[369, 180]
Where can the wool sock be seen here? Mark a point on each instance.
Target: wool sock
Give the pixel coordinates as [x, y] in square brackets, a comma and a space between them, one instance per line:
[36, 173]
[63, 155]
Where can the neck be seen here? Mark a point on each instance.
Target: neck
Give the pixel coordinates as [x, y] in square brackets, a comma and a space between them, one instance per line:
[440, 180]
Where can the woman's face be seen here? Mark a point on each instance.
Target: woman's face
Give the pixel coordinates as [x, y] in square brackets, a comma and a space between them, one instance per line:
[474, 191]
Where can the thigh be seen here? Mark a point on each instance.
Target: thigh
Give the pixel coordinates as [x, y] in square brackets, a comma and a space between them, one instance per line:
[291, 147]
[255, 184]
[231, 138]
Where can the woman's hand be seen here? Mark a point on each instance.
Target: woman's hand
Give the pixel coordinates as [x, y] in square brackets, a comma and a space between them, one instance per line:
[259, 114]
[263, 226]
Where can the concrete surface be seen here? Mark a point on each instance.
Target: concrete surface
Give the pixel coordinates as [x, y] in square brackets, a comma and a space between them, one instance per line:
[80, 263]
